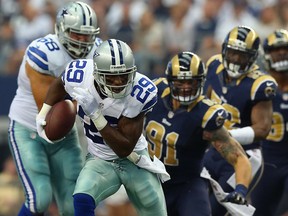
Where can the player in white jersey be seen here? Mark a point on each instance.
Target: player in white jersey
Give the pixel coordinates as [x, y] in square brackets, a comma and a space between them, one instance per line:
[49, 170]
[113, 99]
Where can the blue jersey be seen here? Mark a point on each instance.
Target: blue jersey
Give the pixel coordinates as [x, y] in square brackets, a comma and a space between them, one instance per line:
[175, 137]
[277, 140]
[239, 96]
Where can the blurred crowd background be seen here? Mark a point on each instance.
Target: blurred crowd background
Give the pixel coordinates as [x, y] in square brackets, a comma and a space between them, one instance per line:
[155, 29]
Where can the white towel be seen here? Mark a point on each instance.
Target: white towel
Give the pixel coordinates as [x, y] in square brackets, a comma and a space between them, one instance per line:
[155, 166]
[232, 208]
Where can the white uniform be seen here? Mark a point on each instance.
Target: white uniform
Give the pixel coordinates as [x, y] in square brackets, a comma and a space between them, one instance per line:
[140, 100]
[104, 172]
[40, 165]
[47, 56]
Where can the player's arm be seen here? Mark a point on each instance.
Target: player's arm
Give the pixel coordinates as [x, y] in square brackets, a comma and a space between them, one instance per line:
[56, 92]
[40, 84]
[261, 113]
[261, 118]
[123, 139]
[232, 152]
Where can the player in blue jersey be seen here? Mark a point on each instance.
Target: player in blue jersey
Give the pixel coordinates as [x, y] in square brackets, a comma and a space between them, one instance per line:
[236, 82]
[273, 185]
[179, 130]
[49, 170]
[113, 100]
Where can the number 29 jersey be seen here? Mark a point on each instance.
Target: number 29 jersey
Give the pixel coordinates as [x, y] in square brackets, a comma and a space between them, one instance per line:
[175, 137]
[142, 98]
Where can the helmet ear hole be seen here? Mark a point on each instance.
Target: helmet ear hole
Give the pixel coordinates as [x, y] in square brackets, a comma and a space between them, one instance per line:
[79, 18]
[114, 68]
[185, 74]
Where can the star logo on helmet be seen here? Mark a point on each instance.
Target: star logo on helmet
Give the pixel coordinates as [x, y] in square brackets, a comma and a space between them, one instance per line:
[95, 54]
[64, 12]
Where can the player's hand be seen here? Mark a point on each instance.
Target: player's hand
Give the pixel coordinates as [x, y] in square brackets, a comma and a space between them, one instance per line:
[87, 101]
[237, 196]
[40, 124]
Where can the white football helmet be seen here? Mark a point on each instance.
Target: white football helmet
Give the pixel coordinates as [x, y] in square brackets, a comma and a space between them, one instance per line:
[114, 68]
[78, 18]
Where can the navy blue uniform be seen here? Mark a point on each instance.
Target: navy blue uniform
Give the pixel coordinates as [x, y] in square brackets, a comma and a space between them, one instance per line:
[238, 98]
[175, 137]
[266, 196]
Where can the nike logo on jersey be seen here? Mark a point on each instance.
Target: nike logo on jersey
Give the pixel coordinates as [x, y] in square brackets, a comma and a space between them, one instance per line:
[220, 113]
[164, 121]
[283, 106]
[269, 83]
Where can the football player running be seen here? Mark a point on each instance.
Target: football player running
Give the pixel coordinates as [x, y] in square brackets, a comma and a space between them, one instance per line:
[267, 199]
[179, 130]
[236, 82]
[49, 170]
[113, 99]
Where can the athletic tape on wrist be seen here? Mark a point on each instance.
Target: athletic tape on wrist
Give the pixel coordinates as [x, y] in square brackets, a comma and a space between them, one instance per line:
[243, 135]
[45, 109]
[99, 121]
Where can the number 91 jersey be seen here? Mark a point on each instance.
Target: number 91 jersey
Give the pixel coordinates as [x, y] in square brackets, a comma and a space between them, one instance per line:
[79, 73]
[175, 137]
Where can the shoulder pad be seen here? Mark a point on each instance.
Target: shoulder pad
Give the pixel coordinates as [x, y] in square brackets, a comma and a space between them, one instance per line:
[214, 118]
[263, 88]
[78, 73]
[215, 58]
[41, 53]
[143, 96]
[255, 72]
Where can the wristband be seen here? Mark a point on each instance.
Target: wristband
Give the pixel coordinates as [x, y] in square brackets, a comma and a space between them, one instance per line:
[45, 109]
[99, 120]
[240, 188]
[243, 135]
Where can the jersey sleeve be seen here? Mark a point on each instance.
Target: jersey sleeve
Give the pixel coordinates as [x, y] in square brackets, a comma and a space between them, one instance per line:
[41, 54]
[214, 117]
[263, 88]
[78, 73]
[143, 97]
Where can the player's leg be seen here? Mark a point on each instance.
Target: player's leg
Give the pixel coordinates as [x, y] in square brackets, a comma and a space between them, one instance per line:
[65, 163]
[171, 192]
[144, 189]
[97, 181]
[220, 171]
[189, 198]
[32, 165]
[119, 204]
[269, 194]
[264, 196]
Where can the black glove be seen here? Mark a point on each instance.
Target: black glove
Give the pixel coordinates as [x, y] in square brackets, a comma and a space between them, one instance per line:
[237, 196]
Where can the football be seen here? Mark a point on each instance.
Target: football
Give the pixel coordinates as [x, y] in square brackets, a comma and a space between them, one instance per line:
[60, 120]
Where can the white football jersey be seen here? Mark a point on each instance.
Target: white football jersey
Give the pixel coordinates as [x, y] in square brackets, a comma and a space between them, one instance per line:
[79, 73]
[46, 55]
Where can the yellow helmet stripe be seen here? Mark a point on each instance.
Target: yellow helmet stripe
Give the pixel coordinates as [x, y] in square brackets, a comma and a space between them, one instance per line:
[194, 65]
[251, 37]
[271, 38]
[175, 65]
[233, 35]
